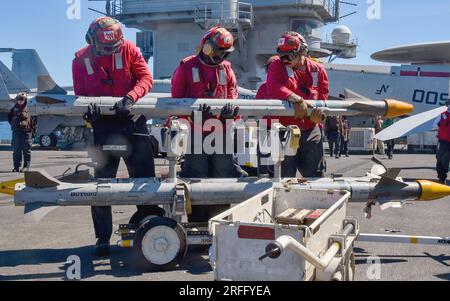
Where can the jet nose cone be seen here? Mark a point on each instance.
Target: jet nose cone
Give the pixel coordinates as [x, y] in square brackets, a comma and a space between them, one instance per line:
[396, 108]
[432, 190]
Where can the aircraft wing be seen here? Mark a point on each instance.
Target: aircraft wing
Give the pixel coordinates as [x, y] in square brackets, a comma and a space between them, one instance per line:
[415, 124]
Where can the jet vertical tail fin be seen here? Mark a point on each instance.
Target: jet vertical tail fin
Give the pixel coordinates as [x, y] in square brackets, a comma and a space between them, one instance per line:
[28, 66]
[4, 93]
[46, 85]
[11, 81]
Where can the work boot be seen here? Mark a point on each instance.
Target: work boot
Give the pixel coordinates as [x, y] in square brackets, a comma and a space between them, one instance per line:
[24, 169]
[102, 248]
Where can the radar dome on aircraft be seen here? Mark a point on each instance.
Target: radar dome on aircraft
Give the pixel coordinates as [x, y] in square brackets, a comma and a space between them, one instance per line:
[341, 35]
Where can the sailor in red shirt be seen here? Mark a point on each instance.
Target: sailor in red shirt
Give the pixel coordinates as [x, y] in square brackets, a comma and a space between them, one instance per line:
[112, 66]
[295, 77]
[443, 153]
[208, 75]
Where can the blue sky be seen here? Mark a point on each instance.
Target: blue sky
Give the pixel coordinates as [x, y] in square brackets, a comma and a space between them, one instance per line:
[44, 25]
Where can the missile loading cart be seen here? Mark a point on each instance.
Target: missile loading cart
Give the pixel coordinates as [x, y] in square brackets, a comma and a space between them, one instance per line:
[255, 241]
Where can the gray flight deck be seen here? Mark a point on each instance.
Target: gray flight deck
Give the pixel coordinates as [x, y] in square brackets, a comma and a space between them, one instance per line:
[39, 251]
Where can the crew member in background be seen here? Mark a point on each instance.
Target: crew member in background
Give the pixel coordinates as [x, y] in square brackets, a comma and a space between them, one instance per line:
[443, 152]
[390, 144]
[112, 66]
[23, 128]
[293, 77]
[333, 128]
[378, 128]
[345, 136]
[208, 75]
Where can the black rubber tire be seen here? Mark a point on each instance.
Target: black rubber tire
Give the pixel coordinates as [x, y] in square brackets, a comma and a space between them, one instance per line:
[51, 137]
[141, 261]
[145, 212]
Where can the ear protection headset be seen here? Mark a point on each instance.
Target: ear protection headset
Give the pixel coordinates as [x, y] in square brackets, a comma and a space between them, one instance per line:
[208, 47]
[303, 48]
[90, 35]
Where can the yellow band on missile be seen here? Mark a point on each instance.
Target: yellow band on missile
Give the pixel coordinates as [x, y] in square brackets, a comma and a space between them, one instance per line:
[432, 190]
[126, 243]
[414, 240]
[9, 187]
[397, 108]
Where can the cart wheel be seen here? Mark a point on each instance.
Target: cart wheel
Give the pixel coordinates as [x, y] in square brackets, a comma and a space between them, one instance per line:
[139, 216]
[160, 243]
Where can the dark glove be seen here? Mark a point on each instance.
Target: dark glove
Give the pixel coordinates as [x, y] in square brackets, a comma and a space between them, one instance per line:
[206, 113]
[93, 114]
[229, 111]
[123, 107]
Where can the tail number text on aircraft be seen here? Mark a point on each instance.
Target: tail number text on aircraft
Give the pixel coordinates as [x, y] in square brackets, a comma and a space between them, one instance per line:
[383, 89]
[430, 97]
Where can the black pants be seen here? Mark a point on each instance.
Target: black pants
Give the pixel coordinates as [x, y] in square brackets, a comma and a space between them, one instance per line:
[334, 143]
[390, 144]
[209, 166]
[309, 161]
[443, 160]
[138, 157]
[21, 143]
[344, 146]
[310, 158]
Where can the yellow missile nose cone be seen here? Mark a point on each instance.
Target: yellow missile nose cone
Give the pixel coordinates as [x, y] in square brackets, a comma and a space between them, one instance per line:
[9, 187]
[396, 108]
[432, 190]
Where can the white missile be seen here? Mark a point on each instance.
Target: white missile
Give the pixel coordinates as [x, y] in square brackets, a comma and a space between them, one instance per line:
[151, 107]
[41, 190]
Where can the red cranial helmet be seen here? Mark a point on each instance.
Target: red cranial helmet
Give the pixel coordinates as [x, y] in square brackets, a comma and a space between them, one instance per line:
[106, 35]
[292, 43]
[217, 42]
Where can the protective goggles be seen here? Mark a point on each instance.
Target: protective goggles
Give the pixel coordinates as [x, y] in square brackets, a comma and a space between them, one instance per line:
[107, 49]
[289, 58]
[221, 53]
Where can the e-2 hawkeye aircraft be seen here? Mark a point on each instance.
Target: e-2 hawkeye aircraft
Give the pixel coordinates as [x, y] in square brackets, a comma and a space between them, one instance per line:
[422, 78]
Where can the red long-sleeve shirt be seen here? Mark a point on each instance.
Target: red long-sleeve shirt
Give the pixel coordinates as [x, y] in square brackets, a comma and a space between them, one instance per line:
[312, 83]
[116, 75]
[194, 79]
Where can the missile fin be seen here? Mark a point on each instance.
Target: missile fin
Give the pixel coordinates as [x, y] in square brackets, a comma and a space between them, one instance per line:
[352, 94]
[386, 181]
[36, 212]
[392, 173]
[40, 179]
[387, 205]
[376, 161]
